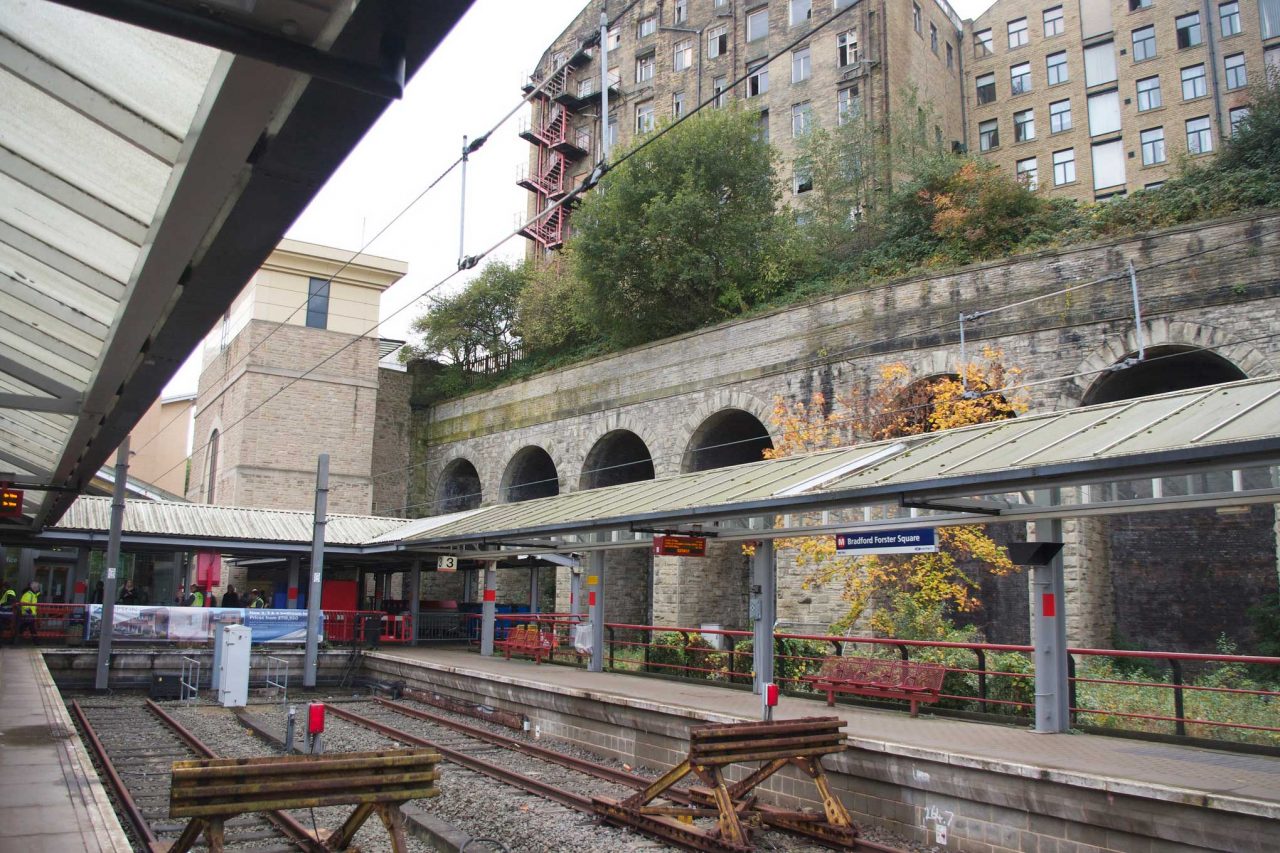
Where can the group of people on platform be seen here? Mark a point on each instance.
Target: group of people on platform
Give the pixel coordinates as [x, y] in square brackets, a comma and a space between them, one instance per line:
[25, 612]
[200, 598]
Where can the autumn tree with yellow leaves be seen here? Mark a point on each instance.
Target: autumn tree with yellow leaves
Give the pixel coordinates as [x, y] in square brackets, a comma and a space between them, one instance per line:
[904, 593]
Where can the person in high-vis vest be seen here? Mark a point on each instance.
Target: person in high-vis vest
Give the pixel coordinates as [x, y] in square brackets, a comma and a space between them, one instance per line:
[7, 598]
[255, 599]
[27, 611]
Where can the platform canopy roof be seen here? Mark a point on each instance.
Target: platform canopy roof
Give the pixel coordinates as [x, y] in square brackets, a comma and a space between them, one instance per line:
[1208, 447]
[152, 154]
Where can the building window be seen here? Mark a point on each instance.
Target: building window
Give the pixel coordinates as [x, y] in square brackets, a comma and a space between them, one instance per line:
[1149, 94]
[848, 105]
[1193, 82]
[1064, 167]
[719, 91]
[933, 39]
[1099, 64]
[988, 135]
[758, 81]
[1237, 77]
[1026, 172]
[1020, 78]
[1229, 17]
[1056, 65]
[986, 86]
[614, 38]
[612, 134]
[1237, 117]
[1144, 43]
[915, 17]
[847, 47]
[644, 117]
[644, 68]
[951, 56]
[211, 487]
[1104, 113]
[1017, 33]
[982, 43]
[1053, 25]
[682, 11]
[762, 126]
[647, 26]
[1024, 126]
[1135, 5]
[1269, 16]
[801, 181]
[1153, 146]
[1154, 185]
[1059, 116]
[717, 41]
[1199, 138]
[801, 11]
[801, 119]
[757, 25]
[1188, 27]
[800, 67]
[318, 303]
[677, 104]
[683, 54]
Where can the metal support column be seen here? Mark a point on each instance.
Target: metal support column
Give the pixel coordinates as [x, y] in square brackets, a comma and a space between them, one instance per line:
[595, 610]
[1050, 629]
[102, 674]
[489, 609]
[415, 599]
[575, 590]
[291, 590]
[317, 571]
[81, 575]
[764, 612]
[534, 592]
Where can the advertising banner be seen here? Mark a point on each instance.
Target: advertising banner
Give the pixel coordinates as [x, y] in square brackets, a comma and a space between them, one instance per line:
[197, 624]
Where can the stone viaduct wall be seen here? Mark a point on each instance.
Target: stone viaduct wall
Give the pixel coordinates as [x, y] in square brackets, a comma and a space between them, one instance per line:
[1210, 286]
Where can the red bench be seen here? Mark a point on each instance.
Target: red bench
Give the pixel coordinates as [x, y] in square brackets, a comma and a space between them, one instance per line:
[880, 678]
[529, 640]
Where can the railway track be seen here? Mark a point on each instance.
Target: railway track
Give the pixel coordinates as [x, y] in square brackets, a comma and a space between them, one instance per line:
[135, 746]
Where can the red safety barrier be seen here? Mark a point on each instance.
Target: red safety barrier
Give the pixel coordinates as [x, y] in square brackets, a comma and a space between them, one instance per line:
[52, 622]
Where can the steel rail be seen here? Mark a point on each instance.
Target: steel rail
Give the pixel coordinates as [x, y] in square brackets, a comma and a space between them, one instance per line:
[139, 821]
[286, 823]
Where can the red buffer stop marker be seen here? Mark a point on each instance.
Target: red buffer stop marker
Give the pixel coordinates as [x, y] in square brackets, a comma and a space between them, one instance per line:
[315, 718]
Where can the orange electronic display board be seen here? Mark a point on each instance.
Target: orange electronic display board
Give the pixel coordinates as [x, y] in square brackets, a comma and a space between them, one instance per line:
[680, 546]
[10, 503]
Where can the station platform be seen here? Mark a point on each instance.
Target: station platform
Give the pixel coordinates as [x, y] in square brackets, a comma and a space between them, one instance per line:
[945, 762]
[51, 800]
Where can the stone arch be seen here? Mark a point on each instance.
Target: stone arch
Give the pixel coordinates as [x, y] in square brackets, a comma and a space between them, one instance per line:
[729, 435]
[531, 473]
[619, 456]
[458, 487]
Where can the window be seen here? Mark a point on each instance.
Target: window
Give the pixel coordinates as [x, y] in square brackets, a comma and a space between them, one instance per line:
[800, 68]
[1020, 78]
[211, 488]
[988, 135]
[1237, 117]
[1135, 5]
[802, 181]
[1236, 74]
[682, 11]
[717, 41]
[1153, 146]
[644, 117]
[318, 303]
[1059, 116]
[1269, 17]
[1108, 165]
[647, 26]
[1056, 65]
[1199, 139]
[986, 85]
[1229, 18]
[951, 56]
[847, 47]
[1017, 33]
[1144, 43]
[719, 91]
[614, 38]
[1099, 64]
[1053, 25]
[1104, 113]
[1149, 94]
[644, 68]
[1154, 185]
[915, 17]
[758, 81]
[1024, 126]
[933, 39]
[757, 25]
[848, 105]
[1188, 27]
[677, 104]
[1193, 82]
[612, 136]
[801, 10]
[1064, 167]
[683, 53]
[762, 126]
[1026, 172]
[801, 119]
[982, 42]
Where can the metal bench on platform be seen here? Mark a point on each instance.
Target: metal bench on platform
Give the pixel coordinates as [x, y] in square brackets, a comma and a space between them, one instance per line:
[880, 678]
[529, 640]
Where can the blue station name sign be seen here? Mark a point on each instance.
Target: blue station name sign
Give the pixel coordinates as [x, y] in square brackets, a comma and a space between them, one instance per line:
[916, 540]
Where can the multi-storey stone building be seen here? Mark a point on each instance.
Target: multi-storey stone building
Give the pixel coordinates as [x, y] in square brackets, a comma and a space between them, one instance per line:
[1092, 98]
[665, 58]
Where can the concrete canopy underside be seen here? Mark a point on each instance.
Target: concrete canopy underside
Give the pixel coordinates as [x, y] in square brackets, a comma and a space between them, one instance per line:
[145, 178]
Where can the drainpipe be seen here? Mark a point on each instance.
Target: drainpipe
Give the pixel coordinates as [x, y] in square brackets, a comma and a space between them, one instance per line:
[1212, 44]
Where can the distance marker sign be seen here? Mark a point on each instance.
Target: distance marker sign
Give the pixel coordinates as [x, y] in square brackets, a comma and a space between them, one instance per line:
[916, 540]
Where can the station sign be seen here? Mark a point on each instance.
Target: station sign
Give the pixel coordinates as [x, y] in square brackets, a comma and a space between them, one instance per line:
[916, 540]
[447, 564]
[668, 545]
[10, 503]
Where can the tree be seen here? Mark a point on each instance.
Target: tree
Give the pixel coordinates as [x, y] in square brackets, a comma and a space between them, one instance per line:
[906, 592]
[478, 320]
[679, 235]
[555, 313]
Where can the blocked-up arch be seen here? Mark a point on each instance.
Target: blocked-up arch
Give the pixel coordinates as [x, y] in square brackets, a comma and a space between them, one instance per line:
[728, 437]
[530, 474]
[459, 488]
[619, 456]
